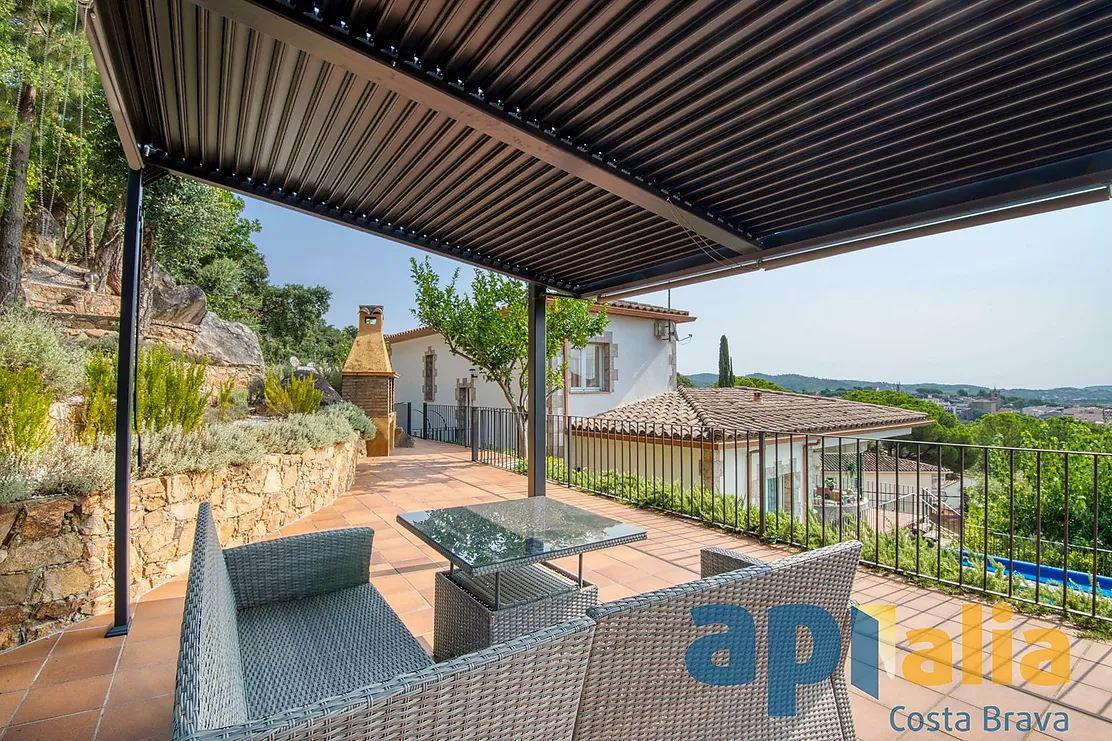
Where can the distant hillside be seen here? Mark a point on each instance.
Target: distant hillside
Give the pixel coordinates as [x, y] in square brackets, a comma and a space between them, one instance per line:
[813, 385]
[704, 379]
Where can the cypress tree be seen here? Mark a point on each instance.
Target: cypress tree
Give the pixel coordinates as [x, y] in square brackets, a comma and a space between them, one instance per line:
[725, 364]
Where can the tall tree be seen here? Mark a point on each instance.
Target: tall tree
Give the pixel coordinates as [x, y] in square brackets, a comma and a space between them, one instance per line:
[11, 224]
[489, 328]
[725, 364]
[57, 140]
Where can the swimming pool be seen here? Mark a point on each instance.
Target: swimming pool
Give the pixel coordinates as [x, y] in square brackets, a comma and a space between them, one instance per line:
[1079, 580]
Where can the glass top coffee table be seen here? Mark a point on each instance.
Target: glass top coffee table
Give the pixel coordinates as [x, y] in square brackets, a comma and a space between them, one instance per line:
[487, 538]
[498, 585]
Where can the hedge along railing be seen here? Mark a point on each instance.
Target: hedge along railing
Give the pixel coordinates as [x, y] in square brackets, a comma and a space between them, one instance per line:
[921, 512]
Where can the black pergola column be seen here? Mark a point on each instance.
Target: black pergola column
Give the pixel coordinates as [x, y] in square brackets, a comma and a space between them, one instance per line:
[125, 386]
[537, 411]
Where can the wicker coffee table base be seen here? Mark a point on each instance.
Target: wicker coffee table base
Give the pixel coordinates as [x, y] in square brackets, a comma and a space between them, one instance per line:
[530, 598]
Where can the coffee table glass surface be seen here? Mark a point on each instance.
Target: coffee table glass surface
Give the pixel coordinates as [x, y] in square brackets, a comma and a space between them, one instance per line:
[485, 538]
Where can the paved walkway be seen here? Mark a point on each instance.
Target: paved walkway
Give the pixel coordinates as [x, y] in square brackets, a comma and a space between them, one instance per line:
[79, 685]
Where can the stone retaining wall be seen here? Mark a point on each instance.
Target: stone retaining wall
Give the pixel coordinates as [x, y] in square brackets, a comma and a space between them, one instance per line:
[56, 553]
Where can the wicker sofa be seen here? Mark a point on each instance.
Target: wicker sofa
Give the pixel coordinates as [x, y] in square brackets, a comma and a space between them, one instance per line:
[286, 639]
[638, 687]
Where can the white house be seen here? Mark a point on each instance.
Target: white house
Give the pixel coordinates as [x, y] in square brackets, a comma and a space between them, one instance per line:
[634, 359]
[710, 439]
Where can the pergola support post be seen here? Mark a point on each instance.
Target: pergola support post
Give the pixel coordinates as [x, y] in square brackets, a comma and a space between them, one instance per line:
[535, 366]
[125, 365]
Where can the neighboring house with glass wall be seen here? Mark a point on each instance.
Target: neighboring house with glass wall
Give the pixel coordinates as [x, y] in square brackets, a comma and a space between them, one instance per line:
[634, 359]
[703, 439]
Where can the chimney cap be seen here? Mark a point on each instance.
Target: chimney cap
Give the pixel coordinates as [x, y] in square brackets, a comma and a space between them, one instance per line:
[370, 309]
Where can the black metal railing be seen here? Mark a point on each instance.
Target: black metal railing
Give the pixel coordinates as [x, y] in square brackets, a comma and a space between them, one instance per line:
[1027, 524]
[445, 423]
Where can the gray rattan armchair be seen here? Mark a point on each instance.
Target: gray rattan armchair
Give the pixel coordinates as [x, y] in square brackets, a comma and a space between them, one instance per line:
[286, 639]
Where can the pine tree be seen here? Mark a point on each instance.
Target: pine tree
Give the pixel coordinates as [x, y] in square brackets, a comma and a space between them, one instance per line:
[725, 364]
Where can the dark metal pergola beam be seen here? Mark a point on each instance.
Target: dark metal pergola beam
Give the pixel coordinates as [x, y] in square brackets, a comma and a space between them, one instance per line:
[780, 257]
[358, 53]
[396, 233]
[891, 223]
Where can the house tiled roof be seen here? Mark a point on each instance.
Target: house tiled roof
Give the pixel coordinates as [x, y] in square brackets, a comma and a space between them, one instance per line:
[623, 308]
[888, 463]
[686, 412]
[411, 334]
[649, 308]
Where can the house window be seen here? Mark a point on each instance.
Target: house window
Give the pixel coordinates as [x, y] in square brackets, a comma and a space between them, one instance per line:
[589, 368]
[429, 375]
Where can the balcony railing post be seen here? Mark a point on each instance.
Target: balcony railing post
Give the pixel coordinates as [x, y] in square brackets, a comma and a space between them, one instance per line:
[475, 434]
[762, 484]
[567, 448]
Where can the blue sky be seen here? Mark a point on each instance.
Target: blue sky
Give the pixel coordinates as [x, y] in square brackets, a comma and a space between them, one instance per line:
[1024, 303]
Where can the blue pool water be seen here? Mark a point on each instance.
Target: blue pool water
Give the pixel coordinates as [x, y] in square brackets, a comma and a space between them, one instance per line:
[1050, 575]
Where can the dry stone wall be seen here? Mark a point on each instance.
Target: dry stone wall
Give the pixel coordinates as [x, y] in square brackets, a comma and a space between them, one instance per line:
[56, 554]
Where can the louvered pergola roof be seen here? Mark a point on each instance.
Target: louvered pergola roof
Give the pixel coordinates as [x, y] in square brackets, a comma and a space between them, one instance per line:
[603, 147]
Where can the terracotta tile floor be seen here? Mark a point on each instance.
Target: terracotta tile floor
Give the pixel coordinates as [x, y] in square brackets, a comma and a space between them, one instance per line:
[79, 685]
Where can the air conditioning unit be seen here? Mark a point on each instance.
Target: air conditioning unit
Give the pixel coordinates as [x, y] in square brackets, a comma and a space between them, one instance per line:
[662, 328]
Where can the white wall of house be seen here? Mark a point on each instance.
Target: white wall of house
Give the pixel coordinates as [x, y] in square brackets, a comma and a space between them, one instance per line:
[450, 373]
[635, 365]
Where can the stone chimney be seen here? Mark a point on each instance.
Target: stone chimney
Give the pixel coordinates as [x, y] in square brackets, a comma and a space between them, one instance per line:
[369, 379]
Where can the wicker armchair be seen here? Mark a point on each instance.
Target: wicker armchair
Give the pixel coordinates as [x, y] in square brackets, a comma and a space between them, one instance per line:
[286, 640]
[638, 687]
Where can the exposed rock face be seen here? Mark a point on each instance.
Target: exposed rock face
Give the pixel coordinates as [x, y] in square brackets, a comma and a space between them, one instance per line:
[227, 343]
[180, 304]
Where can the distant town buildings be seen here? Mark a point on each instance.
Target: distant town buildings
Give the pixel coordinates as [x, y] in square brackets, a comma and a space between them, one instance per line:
[979, 407]
[968, 408]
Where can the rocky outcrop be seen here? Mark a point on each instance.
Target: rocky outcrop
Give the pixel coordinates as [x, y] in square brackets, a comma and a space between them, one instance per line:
[181, 320]
[179, 304]
[227, 343]
[56, 554]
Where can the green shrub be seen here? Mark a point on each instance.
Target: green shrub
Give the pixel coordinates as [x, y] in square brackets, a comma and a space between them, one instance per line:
[59, 469]
[100, 397]
[224, 397]
[168, 388]
[299, 432]
[231, 402]
[75, 469]
[24, 412]
[238, 408]
[299, 396]
[172, 450]
[355, 416]
[29, 339]
[15, 484]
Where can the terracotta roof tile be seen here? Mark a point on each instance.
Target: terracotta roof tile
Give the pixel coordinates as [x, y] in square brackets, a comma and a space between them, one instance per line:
[736, 410]
[638, 306]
